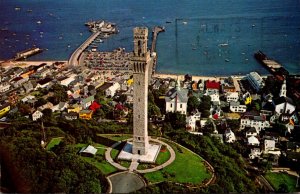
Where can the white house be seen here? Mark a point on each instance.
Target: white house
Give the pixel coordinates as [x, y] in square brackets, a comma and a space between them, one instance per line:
[253, 141]
[232, 96]
[66, 80]
[28, 97]
[4, 86]
[44, 83]
[36, 115]
[229, 136]
[258, 122]
[112, 89]
[237, 107]
[176, 100]
[191, 121]
[284, 105]
[214, 95]
[269, 145]
[251, 132]
[47, 105]
[255, 153]
[255, 80]
[86, 102]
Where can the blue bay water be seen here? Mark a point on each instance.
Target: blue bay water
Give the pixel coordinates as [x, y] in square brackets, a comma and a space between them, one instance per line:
[205, 37]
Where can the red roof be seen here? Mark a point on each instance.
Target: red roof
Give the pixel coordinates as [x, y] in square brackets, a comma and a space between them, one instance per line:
[119, 106]
[94, 106]
[212, 85]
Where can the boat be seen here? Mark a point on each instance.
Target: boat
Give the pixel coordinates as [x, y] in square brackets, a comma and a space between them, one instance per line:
[184, 23]
[29, 10]
[227, 60]
[223, 44]
[39, 22]
[168, 22]
[17, 8]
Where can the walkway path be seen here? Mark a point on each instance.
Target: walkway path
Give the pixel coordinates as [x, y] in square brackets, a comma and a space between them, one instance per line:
[74, 59]
[134, 164]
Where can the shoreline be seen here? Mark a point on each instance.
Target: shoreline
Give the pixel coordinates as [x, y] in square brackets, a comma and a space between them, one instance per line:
[6, 64]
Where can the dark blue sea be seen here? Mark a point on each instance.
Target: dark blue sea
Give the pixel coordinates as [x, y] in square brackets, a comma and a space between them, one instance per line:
[204, 37]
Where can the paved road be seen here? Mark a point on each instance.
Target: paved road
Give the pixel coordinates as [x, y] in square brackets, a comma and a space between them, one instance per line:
[263, 181]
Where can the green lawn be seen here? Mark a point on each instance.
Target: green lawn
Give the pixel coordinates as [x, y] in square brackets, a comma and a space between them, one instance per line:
[99, 159]
[101, 164]
[163, 157]
[187, 168]
[54, 141]
[276, 179]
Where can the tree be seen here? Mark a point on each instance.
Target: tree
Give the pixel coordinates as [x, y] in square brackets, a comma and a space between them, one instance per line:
[204, 106]
[176, 119]
[283, 188]
[47, 113]
[122, 98]
[193, 103]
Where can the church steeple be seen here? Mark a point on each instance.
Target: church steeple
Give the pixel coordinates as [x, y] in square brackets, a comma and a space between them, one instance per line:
[283, 89]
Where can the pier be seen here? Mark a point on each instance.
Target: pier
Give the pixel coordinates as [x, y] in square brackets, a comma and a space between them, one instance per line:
[156, 30]
[74, 59]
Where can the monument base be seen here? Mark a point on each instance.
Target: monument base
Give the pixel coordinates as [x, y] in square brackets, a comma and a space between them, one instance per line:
[150, 157]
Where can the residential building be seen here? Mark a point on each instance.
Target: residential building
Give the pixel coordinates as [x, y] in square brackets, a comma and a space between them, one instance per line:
[255, 153]
[75, 108]
[71, 116]
[232, 96]
[229, 136]
[86, 114]
[284, 105]
[252, 141]
[269, 145]
[37, 115]
[66, 80]
[258, 122]
[28, 87]
[255, 80]
[191, 121]
[28, 97]
[4, 109]
[86, 102]
[214, 96]
[212, 86]
[237, 107]
[44, 83]
[112, 90]
[176, 100]
[48, 105]
[251, 131]
[4, 86]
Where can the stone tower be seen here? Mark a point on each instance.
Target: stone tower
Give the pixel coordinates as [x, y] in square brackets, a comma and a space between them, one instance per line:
[141, 63]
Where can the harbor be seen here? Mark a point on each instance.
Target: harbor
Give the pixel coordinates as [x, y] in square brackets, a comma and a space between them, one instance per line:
[100, 30]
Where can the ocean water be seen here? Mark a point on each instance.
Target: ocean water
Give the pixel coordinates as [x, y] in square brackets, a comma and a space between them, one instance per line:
[204, 37]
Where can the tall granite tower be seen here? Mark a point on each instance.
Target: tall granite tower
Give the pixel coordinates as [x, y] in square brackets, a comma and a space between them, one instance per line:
[141, 63]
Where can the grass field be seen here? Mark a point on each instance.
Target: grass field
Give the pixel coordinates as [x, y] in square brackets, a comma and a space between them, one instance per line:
[276, 179]
[187, 168]
[54, 141]
[99, 159]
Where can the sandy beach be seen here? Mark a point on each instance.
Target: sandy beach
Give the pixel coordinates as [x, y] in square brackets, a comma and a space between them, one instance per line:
[25, 63]
[195, 78]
